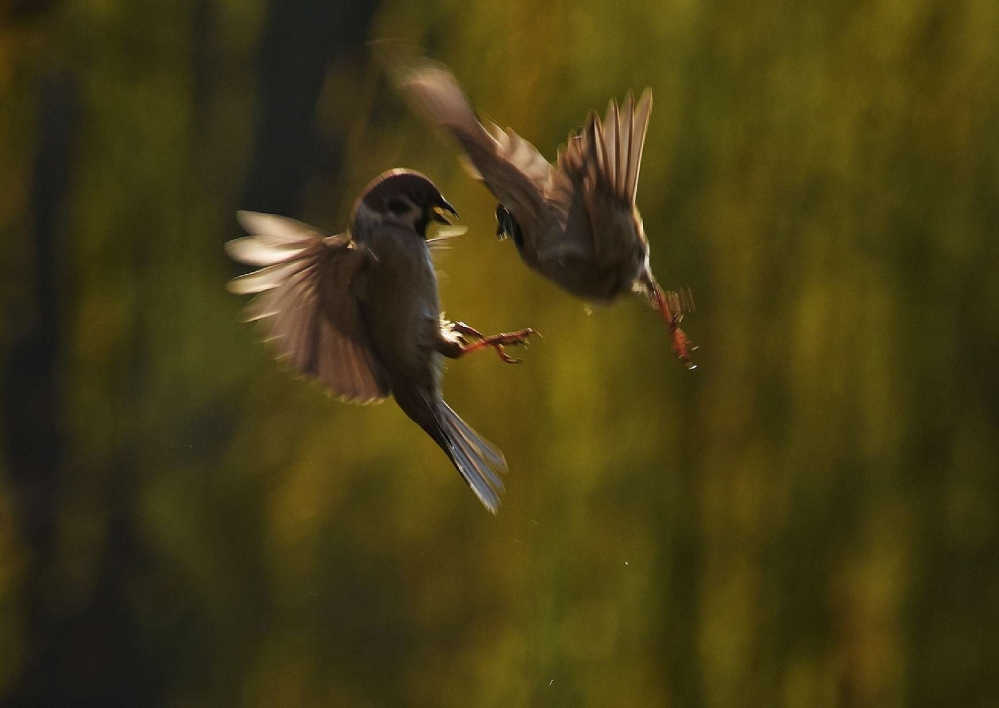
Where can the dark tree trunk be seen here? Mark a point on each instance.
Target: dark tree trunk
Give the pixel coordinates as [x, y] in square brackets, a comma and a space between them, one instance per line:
[33, 429]
[300, 41]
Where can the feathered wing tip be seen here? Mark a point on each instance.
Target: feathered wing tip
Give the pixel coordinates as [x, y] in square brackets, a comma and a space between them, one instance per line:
[609, 150]
[470, 169]
[501, 158]
[478, 461]
[639, 124]
[613, 147]
[275, 243]
[441, 240]
[440, 244]
[304, 304]
[431, 89]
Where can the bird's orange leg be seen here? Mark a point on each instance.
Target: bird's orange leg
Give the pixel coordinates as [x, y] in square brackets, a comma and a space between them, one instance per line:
[497, 341]
[682, 346]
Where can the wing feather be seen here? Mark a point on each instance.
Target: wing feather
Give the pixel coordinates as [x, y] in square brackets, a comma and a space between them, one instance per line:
[627, 140]
[607, 154]
[512, 168]
[612, 141]
[639, 127]
[306, 302]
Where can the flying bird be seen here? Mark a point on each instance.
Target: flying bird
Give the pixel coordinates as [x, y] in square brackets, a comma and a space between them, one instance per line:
[359, 312]
[574, 222]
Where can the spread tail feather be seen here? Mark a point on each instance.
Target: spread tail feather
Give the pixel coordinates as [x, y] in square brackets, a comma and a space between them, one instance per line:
[476, 459]
[478, 462]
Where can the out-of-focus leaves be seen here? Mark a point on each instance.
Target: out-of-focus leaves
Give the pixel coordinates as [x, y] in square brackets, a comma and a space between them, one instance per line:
[808, 519]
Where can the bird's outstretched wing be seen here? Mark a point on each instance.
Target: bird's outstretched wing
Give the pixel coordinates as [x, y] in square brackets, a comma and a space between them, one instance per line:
[605, 157]
[307, 294]
[512, 168]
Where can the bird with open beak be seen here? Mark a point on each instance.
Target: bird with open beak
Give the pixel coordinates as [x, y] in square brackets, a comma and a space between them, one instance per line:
[360, 312]
[575, 222]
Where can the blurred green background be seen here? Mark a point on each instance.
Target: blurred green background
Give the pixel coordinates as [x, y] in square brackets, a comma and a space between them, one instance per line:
[809, 519]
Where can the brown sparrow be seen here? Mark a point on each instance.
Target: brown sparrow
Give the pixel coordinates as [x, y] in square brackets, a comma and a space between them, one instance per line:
[359, 311]
[574, 222]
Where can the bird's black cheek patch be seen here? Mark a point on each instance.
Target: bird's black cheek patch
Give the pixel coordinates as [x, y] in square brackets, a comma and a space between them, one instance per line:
[398, 206]
[421, 225]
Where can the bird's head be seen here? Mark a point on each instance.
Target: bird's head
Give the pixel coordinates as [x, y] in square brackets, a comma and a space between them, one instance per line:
[406, 198]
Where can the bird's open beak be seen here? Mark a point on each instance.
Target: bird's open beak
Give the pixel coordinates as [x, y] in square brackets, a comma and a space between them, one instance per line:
[444, 208]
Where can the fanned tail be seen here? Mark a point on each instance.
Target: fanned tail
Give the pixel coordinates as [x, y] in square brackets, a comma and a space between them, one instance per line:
[476, 459]
[478, 462]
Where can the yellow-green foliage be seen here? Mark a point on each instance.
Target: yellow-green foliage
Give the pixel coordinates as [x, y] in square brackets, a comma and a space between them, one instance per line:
[808, 519]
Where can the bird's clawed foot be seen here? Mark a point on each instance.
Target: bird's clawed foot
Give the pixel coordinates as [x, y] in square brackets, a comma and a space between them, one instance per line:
[682, 346]
[496, 341]
[672, 305]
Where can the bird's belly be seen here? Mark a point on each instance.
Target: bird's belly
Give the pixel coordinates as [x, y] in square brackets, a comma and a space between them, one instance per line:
[588, 278]
[401, 309]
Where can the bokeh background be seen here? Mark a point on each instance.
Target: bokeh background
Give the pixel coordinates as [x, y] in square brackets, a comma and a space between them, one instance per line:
[809, 519]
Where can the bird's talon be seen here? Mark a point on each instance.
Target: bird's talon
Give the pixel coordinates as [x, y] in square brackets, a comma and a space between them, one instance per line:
[682, 348]
[506, 357]
[496, 341]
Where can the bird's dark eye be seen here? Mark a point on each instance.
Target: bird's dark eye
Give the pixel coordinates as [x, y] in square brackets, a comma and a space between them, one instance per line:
[398, 206]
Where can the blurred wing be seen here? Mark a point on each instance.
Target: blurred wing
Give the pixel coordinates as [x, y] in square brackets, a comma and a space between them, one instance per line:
[441, 241]
[511, 167]
[607, 156]
[306, 299]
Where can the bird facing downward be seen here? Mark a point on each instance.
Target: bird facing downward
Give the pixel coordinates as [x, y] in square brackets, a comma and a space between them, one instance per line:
[359, 311]
[574, 222]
